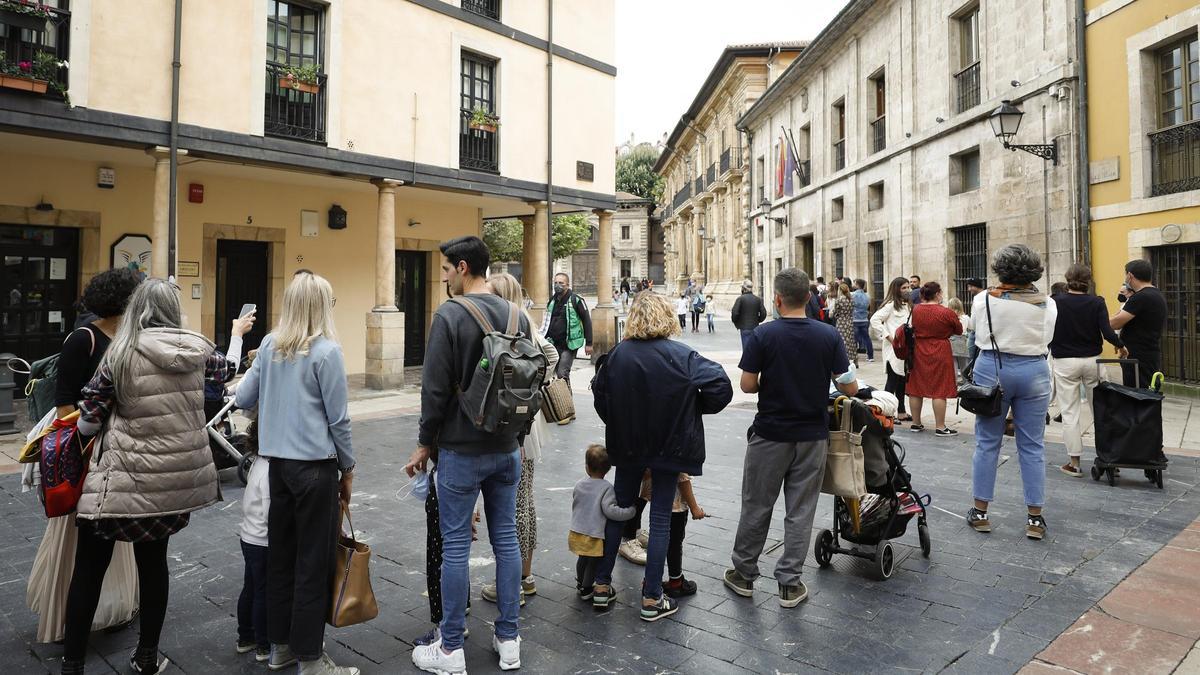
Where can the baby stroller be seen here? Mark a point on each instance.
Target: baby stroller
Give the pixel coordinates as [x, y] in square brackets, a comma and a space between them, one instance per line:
[229, 446]
[1128, 428]
[882, 514]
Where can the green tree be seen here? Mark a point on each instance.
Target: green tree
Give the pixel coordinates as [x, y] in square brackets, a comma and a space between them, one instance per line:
[505, 238]
[635, 172]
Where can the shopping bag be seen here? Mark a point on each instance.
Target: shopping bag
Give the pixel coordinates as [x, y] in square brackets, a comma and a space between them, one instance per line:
[845, 464]
[63, 464]
[558, 403]
[353, 601]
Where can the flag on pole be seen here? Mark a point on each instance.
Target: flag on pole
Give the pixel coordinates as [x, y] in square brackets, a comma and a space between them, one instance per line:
[789, 166]
[780, 168]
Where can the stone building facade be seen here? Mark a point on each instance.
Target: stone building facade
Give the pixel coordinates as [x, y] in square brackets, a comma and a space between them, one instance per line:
[704, 165]
[895, 169]
[633, 248]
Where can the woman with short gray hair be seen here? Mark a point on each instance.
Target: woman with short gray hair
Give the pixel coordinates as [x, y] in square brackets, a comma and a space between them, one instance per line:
[1014, 324]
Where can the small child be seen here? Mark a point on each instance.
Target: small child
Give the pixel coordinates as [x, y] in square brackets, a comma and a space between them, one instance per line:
[593, 503]
[252, 603]
[959, 345]
[676, 585]
[710, 309]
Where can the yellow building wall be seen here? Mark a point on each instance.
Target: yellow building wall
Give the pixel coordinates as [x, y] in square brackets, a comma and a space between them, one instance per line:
[1108, 135]
[345, 257]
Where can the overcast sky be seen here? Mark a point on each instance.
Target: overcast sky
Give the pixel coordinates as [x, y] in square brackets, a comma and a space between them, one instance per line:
[665, 49]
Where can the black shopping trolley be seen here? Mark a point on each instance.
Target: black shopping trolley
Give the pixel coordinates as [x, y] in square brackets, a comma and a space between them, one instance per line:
[1129, 430]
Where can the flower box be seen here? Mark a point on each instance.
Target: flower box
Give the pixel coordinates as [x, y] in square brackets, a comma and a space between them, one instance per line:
[24, 83]
[12, 17]
[480, 126]
[293, 83]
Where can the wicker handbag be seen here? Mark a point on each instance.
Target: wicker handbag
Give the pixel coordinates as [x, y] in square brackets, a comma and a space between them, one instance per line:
[558, 404]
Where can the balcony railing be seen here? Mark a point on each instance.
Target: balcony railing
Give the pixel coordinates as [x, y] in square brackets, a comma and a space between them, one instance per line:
[839, 155]
[699, 185]
[488, 8]
[1175, 155]
[291, 112]
[478, 150]
[967, 87]
[711, 174]
[805, 171]
[27, 36]
[879, 134]
[681, 197]
[724, 161]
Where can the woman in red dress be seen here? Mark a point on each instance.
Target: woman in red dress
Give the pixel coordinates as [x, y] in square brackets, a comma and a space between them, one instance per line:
[931, 374]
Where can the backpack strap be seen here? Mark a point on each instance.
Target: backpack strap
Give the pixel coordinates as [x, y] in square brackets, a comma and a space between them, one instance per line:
[513, 319]
[466, 303]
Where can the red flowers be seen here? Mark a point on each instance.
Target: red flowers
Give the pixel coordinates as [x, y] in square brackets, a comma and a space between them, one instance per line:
[25, 66]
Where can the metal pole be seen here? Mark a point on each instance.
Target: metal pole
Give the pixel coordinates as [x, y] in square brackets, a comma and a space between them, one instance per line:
[174, 144]
[549, 144]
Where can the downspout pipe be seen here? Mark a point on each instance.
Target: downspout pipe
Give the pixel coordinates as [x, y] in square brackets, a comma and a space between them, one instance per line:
[172, 197]
[1084, 171]
[549, 143]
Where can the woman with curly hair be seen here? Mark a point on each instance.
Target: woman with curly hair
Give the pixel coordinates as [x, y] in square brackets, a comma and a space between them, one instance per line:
[652, 391]
[102, 305]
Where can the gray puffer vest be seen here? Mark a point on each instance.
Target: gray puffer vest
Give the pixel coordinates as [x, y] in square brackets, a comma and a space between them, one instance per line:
[153, 458]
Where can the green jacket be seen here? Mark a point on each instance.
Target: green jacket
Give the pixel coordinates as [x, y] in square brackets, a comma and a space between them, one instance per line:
[578, 324]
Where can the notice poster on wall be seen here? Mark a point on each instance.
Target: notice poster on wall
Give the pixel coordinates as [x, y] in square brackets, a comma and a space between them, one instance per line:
[58, 269]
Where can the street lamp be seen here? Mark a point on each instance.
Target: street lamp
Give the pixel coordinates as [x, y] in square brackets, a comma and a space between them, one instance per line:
[702, 231]
[1006, 120]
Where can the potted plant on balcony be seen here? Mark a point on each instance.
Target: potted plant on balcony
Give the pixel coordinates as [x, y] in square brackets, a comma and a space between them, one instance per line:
[301, 78]
[36, 76]
[482, 120]
[26, 14]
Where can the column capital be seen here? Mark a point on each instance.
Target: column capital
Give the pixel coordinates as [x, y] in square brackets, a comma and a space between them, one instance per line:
[163, 153]
[386, 184]
[603, 212]
[538, 205]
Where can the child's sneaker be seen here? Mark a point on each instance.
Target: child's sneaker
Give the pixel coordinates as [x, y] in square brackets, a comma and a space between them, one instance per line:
[431, 658]
[665, 606]
[602, 599]
[678, 588]
[585, 594]
[434, 635]
[631, 551]
[643, 538]
[262, 654]
[490, 594]
[246, 646]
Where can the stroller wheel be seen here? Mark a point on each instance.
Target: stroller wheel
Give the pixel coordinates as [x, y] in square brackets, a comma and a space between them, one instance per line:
[884, 559]
[243, 470]
[824, 548]
[923, 535]
[1096, 473]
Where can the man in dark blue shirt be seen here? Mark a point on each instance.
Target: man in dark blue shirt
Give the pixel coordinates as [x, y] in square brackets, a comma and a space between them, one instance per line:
[789, 364]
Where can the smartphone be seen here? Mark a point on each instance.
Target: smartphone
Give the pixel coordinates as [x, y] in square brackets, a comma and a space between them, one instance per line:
[247, 308]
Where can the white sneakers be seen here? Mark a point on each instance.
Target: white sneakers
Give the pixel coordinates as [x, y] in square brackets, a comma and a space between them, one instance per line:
[432, 659]
[631, 551]
[509, 651]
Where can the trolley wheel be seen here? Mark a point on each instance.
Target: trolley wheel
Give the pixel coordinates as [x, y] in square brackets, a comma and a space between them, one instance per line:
[1112, 478]
[1149, 474]
[884, 559]
[1158, 478]
[1096, 473]
[923, 535]
[823, 552]
[243, 470]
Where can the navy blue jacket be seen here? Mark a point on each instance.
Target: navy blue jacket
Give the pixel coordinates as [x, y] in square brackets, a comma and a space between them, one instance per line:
[651, 395]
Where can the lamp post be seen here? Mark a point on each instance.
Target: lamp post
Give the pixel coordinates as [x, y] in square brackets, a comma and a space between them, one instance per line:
[1006, 120]
[702, 231]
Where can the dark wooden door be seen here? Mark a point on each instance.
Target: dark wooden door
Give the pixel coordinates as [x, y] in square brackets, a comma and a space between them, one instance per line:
[38, 288]
[412, 292]
[1177, 275]
[242, 277]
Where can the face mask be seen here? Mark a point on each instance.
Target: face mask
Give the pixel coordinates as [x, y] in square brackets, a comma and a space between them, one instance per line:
[558, 288]
[775, 312]
[417, 488]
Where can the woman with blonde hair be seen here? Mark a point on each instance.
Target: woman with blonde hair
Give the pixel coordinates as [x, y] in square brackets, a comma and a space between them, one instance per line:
[506, 286]
[652, 391]
[298, 381]
[153, 466]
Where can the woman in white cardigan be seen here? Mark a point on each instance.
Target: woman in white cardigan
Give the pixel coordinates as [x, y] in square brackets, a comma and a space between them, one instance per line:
[892, 314]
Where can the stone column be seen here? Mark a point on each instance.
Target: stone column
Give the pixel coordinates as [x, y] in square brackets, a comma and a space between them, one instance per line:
[526, 251]
[700, 219]
[385, 323]
[603, 329]
[161, 229]
[537, 284]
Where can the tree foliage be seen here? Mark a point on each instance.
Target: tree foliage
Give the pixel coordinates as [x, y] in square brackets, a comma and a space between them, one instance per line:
[635, 172]
[505, 238]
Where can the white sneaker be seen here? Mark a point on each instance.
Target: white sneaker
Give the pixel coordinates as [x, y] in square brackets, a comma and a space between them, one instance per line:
[326, 666]
[630, 551]
[432, 659]
[643, 538]
[509, 651]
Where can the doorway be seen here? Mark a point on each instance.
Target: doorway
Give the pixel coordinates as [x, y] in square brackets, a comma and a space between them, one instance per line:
[1177, 275]
[805, 255]
[243, 271]
[38, 289]
[412, 292]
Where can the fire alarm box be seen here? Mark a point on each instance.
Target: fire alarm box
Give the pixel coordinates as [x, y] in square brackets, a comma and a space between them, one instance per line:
[196, 193]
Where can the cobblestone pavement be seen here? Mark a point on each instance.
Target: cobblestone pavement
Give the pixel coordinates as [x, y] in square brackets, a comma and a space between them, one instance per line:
[981, 603]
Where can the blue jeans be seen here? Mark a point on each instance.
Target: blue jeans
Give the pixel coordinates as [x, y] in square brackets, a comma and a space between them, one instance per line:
[746, 336]
[627, 482]
[862, 335]
[460, 479]
[1026, 384]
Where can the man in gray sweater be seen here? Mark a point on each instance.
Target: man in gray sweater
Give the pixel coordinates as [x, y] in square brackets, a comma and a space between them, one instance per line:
[469, 461]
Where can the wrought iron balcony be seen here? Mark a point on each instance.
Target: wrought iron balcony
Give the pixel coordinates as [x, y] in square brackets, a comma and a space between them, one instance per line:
[681, 197]
[879, 134]
[711, 174]
[725, 160]
[26, 36]
[967, 86]
[294, 110]
[478, 149]
[839, 155]
[805, 171]
[1175, 156]
[699, 185]
[488, 8]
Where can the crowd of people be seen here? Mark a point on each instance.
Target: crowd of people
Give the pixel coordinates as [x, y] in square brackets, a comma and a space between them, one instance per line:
[136, 374]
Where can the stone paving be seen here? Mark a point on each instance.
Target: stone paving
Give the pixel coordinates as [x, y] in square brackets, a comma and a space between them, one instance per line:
[981, 603]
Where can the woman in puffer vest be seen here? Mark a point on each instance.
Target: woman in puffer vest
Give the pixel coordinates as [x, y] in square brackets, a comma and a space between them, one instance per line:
[152, 467]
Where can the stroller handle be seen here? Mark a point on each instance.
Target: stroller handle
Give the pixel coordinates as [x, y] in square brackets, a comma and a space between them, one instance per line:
[229, 405]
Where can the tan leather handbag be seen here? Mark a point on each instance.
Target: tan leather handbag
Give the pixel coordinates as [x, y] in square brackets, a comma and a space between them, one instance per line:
[353, 600]
[557, 401]
[845, 465]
